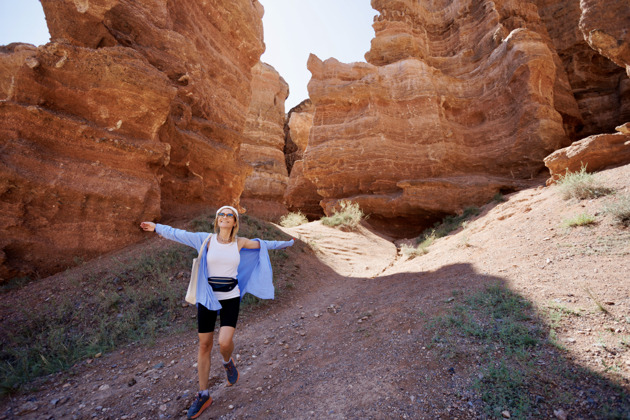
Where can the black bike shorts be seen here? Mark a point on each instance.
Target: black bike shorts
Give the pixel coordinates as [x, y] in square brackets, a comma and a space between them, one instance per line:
[228, 314]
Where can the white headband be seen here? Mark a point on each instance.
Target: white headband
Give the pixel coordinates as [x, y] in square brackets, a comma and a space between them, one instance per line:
[228, 207]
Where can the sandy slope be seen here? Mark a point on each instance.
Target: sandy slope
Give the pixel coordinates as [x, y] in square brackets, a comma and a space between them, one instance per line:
[353, 338]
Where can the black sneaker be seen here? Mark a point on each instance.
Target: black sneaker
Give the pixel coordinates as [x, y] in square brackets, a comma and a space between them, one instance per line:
[232, 372]
[201, 403]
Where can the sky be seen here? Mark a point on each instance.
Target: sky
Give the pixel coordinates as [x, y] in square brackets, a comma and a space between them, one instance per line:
[293, 29]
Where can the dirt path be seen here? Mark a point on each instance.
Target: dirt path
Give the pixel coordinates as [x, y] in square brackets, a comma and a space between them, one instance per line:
[354, 340]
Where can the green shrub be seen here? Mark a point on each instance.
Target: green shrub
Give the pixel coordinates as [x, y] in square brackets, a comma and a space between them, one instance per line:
[581, 185]
[348, 216]
[498, 197]
[451, 223]
[620, 210]
[582, 219]
[412, 252]
[293, 220]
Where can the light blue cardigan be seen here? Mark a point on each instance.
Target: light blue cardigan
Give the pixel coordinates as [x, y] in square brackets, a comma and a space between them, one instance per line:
[254, 271]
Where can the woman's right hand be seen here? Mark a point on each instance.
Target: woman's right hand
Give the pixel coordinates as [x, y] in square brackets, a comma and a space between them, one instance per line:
[148, 226]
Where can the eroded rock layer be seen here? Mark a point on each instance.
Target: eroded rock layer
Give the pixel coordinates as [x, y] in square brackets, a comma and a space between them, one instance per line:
[451, 97]
[605, 25]
[136, 109]
[301, 194]
[264, 144]
[207, 49]
[80, 153]
[300, 121]
[587, 35]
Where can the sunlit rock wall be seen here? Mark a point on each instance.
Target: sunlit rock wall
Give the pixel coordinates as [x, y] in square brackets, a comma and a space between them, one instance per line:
[457, 103]
[264, 144]
[207, 50]
[133, 111]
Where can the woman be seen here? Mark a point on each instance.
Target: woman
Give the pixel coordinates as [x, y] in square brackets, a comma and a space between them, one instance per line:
[233, 266]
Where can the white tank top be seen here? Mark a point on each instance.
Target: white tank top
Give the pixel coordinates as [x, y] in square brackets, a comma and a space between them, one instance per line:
[223, 260]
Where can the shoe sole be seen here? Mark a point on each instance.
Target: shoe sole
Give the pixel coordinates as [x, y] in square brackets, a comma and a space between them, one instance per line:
[203, 407]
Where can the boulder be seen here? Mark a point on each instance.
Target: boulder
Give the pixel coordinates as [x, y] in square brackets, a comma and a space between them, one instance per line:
[593, 153]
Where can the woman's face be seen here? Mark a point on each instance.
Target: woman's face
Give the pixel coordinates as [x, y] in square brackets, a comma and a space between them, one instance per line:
[226, 219]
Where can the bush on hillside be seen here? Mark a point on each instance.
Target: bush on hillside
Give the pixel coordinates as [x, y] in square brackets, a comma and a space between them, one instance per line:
[620, 210]
[348, 216]
[293, 220]
[581, 185]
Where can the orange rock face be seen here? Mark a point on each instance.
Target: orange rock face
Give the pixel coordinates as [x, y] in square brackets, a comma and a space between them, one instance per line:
[300, 123]
[136, 109]
[452, 108]
[301, 194]
[587, 35]
[605, 25]
[207, 50]
[80, 154]
[264, 144]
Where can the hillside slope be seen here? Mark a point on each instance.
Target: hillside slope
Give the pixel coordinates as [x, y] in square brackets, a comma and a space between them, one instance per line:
[369, 333]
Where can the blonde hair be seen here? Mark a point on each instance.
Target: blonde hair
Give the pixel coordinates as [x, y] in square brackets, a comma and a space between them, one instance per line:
[234, 228]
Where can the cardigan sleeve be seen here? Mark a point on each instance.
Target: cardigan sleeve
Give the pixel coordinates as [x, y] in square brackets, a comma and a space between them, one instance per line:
[279, 244]
[192, 239]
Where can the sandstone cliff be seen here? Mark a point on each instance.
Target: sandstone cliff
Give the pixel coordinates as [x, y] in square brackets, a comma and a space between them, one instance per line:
[587, 35]
[459, 100]
[298, 129]
[264, 144]
[207, 50]
[301, 194]
[452, 108]
[135, 109]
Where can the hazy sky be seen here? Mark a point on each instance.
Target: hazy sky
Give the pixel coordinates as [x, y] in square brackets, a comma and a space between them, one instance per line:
[293, 29]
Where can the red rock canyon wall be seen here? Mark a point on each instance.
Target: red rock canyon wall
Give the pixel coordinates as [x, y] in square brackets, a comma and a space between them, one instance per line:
[264, 144]
[135, 109]
[301, 194]
[592, 40]
[459, 100]
[452, 108]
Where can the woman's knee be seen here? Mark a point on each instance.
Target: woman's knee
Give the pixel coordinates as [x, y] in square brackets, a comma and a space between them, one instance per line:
[205, 343]
[225, 343]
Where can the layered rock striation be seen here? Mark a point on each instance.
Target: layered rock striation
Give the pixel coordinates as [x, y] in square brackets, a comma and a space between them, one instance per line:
[80, 153]
[207, 50]
[592, 40]
[456, 103]
[263, 148]
[133, 111]
[301, 194]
